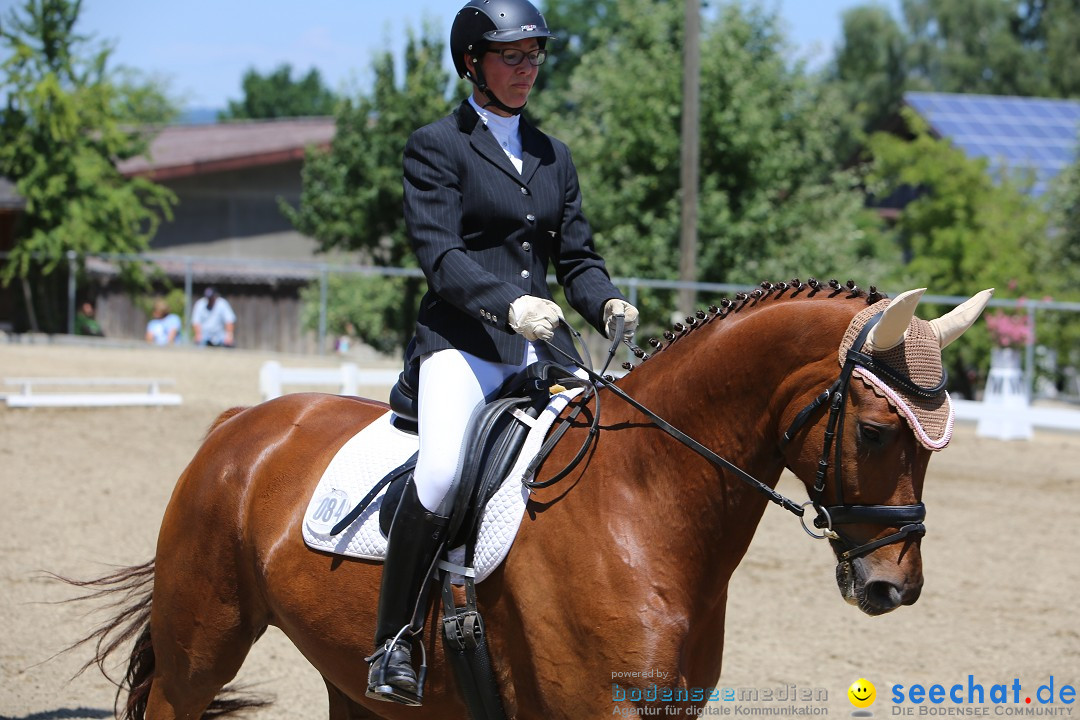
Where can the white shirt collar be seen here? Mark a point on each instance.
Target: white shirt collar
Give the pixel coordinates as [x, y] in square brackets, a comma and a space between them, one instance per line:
[507, 131]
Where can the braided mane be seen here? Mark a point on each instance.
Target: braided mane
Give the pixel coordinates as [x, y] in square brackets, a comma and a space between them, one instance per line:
[765, 291]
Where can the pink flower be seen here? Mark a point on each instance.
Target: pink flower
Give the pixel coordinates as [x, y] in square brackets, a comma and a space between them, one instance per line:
[1008, 330]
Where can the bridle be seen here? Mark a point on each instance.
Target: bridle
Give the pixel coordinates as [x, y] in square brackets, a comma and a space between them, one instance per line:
[909, 518]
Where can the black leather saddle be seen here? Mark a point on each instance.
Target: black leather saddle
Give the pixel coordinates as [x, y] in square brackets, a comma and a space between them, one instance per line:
[494, 438]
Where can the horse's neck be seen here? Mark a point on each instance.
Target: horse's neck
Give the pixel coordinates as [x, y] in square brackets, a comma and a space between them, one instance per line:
[726, 387]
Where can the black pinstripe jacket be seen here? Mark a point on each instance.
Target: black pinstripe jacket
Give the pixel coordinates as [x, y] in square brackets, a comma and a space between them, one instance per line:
[485, 235]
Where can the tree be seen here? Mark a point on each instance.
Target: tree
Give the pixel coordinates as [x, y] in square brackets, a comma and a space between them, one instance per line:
[143, 100]
[352, 193]
[769, 185]
[996, 47]
[1065, 218]
[965, 231]
[871, 66]
[972, 46]
[575, 24]
[1062, 330]
[1053, 28]
[61, 133]
[277, 95]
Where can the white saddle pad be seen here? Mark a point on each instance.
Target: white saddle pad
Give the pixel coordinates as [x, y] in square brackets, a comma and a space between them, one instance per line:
[379, 448]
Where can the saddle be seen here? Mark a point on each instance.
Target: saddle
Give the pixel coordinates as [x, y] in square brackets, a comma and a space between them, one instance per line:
[494, 435]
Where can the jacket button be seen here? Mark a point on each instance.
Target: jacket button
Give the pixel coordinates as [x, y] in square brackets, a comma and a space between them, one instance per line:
[524, 191]
[526, 246]
[525, 274]
[530, 217]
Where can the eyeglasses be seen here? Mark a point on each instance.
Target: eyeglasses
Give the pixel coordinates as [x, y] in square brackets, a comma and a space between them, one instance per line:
[513, 56]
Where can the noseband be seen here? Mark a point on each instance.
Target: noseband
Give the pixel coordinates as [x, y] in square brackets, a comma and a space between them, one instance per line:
[909, 518]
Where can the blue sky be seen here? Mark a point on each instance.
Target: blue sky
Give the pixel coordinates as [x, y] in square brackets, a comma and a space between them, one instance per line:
[203, 47]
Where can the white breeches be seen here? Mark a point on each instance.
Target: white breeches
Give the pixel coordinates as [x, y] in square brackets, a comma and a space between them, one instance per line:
[453, 384]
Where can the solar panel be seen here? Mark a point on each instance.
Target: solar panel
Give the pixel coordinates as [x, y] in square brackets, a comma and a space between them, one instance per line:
[1015, 134]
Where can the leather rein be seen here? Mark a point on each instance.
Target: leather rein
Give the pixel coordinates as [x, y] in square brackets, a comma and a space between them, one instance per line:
[909, 518]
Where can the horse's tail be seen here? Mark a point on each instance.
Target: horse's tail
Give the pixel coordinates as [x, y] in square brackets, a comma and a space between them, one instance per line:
[129, 591]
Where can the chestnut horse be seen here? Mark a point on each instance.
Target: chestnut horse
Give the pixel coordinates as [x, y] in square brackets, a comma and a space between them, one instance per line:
[623, 566]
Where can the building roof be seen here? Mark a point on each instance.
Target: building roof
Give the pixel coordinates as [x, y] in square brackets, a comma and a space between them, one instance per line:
[185, 150]
[1015, 134]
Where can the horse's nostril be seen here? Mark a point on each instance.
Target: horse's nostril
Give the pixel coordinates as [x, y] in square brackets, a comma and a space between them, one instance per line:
[883, 596]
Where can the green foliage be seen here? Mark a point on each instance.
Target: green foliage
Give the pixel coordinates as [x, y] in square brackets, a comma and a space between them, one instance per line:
[277, 95]
[1065, 219]
[971, 46]
[995, 47]
[965, 231]
[871, 65]
[60, 135]
[143, 100]
[577, 26]
[352, 193]
[1062, 330]
[625, 117]
[771, 203]
[366, 307]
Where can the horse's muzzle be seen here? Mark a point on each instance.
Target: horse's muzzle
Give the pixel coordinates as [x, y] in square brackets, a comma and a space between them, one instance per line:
[874, 595]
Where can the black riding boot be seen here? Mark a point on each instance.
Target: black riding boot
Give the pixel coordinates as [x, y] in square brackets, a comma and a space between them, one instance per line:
[416, 535]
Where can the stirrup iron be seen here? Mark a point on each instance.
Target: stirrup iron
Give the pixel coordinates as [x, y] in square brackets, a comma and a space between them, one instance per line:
[379, 688]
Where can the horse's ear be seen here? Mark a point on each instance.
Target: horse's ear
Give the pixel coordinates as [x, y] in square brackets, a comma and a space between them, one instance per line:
[952, 325]
[889, 331]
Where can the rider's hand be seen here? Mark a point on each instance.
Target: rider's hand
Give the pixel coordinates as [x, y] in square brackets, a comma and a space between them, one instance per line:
[614, 307]
[533, 317]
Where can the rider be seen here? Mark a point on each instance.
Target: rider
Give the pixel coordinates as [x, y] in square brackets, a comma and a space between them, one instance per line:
[490, 202]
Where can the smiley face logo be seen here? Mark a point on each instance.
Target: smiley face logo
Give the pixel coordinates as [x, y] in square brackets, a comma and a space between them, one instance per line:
[862, 693]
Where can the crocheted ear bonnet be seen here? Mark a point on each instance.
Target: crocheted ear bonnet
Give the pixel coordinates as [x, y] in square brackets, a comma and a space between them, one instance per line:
[919, 357]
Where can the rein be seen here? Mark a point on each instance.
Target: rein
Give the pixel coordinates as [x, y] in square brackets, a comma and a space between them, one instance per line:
[909, 517]
[712, 457]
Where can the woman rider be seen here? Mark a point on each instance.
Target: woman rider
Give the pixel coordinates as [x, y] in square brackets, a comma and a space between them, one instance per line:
[490, 203]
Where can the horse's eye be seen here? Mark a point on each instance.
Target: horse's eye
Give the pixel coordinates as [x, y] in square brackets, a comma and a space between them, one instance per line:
[871, 434]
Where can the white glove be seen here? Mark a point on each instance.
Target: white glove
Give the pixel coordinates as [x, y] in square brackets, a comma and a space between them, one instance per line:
[614, 307]
[533, 317]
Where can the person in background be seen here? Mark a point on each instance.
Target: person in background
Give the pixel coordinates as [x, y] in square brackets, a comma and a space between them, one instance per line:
[213, 320]
[86, 323]
[164, 326]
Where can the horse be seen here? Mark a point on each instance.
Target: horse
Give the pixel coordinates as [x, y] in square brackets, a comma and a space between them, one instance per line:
[622, 566]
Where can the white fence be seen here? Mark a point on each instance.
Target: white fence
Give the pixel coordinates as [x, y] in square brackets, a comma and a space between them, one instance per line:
[90, 394]
[1029, 416]
[346, 379]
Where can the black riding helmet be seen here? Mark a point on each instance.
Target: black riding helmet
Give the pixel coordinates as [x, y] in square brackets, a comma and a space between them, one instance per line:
[482, 22]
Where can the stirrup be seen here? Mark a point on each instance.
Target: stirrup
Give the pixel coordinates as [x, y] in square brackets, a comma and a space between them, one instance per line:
[379, 689]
